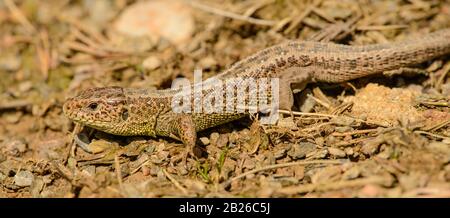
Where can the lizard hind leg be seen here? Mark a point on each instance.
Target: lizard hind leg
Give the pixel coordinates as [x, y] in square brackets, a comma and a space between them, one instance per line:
[296, 78]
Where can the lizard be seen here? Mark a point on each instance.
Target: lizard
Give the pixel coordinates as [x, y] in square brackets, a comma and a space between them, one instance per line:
[141, 111]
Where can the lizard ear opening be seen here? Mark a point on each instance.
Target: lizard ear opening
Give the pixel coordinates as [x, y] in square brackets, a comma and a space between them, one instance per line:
[125, 114]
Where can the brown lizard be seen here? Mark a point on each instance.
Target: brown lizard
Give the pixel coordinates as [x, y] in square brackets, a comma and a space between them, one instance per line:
[126, 111]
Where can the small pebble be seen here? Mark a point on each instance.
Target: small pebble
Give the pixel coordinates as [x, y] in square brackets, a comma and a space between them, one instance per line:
[2, 157]
[145, 170]
[25, 86]
[151, 63]
[309, 103]
[2, 176]
[12, 117]
[154, 170]
[370, 148]
[279, 153]
[23, 178]
[300, 150]
[319, 141]
[204, 140]
[171, 20]
[352, 173]
[15, 147]
[349, 151]
[336, 152]
[343, 129]
[222, 141]
[214, 138]
[207, 62]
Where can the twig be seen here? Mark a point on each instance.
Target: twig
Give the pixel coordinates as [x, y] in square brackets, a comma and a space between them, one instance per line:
[336, 31]
[175, 182]
[298, 20]
[15, 104]
[341, 108]
[428, 192]
[81, 143]
[381, 27]
[305, 113]
[43, 53]
[19, 16]
[256, 7]
[327, 115]
[230, 14]
[118, 172]
[355, 132]
[73, 143]
[83, 48]
[352, 86]
[274, 166]
[91, 32]
[445, 70]
[351, 142]
[432, 134]
[316, 127]
[323, 15]
[332, 186]
[437, 126]
[326, 105]
[82, 37]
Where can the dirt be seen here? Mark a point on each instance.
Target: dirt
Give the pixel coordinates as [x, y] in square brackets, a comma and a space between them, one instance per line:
[381, 136]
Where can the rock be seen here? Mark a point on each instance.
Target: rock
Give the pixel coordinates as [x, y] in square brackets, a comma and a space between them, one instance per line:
[207, 62]
[370, 147]
[214, 138]
[204, 140]
[326, 175]
[286, 122]
[343, 128]
[352, 173]
[145, 170]
[336, 152]
[279, 153]
[2, 157]
[15, 147]
[349, 151]
[2, 177]
[36, 187]
[222, 141]
[151, 63]
[13, 117]
[9, 62]
[299, 151]
[101, 11]
[25, 86]
[308, 103]
[167, 19]
[23, 178]
[320, 141]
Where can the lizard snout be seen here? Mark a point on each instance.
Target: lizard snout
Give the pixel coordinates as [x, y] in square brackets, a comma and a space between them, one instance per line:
[69, 108]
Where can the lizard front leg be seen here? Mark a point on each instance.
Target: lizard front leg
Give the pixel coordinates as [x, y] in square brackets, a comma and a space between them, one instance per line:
[184, 129]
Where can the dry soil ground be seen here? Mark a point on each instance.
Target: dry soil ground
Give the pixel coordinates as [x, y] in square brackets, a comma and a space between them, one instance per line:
[383, 136]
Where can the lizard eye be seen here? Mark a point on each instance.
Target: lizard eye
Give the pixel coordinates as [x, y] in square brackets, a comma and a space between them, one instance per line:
[93, 106]
[124, 114]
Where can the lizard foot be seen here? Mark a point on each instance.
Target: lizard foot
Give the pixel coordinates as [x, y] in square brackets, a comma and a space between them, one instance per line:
[184, 155]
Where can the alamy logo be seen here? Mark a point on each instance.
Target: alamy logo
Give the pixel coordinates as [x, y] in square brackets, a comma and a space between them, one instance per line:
[230, 95]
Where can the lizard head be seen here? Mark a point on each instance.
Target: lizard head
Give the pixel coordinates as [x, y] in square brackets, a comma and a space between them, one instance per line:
[104, 109]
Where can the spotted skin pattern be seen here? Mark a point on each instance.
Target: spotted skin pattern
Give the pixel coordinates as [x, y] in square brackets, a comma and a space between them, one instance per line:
[125, 111]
